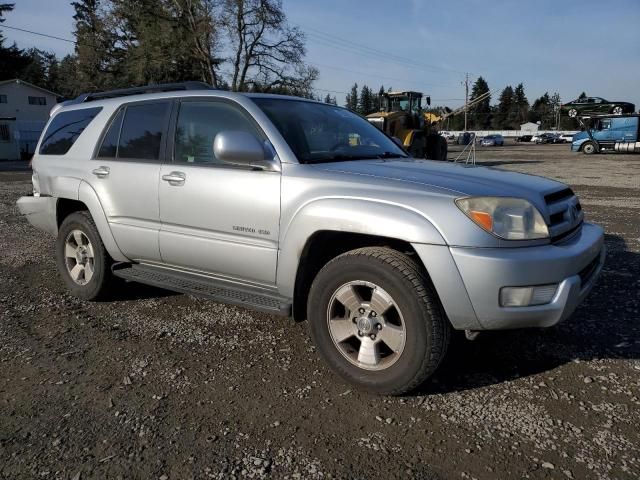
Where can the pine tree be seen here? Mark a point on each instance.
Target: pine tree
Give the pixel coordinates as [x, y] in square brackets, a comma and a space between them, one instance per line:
[520, 108]
[481, 112]
[352, 98]
[505, 104]
[366, 104]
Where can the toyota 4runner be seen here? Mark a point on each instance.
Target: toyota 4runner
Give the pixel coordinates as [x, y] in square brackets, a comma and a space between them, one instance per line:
[305, 209]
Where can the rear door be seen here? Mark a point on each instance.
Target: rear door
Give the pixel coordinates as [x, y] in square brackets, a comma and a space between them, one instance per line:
[217, 218]
[125, 173]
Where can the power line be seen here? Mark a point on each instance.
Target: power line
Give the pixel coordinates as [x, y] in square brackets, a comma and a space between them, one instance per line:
[378, 76]
[318, 34]
[39, 34]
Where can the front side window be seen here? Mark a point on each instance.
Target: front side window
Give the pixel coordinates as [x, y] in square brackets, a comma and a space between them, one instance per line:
[197, 127]
[37, 100]
[141, 132]
[64, 130]
[318, 132]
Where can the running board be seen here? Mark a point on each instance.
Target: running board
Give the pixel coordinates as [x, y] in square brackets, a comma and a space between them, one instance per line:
[197, 285]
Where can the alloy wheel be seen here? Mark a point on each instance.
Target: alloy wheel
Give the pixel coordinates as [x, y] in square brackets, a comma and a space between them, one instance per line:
[79, 257]
[366, 325]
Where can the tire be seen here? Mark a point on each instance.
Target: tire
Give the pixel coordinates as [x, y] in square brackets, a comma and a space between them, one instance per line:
[417, 148]
[572, 113]
[417, 351]
[437, 147]
[588, 148]
[617, 110]
[88, 274]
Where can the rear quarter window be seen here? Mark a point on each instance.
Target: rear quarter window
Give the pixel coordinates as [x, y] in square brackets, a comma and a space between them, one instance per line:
[64, 130]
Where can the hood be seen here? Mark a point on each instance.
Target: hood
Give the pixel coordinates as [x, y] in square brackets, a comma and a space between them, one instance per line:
[580, 136]
[458, 179]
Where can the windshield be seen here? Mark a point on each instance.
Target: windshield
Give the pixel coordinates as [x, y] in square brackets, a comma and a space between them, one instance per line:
[319, 132]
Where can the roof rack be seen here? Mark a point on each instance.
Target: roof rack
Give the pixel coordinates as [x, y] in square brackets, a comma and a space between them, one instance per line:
[123, 92]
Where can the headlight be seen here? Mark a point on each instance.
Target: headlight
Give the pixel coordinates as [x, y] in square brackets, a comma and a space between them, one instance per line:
[508, 218]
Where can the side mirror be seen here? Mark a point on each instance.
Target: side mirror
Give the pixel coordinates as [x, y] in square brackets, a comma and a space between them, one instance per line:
[241, 148]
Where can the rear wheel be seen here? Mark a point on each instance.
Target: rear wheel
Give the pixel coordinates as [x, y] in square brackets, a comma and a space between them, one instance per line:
[82, 260]
[377, 321]
[588, 148]
[617, 110]
[573, 113]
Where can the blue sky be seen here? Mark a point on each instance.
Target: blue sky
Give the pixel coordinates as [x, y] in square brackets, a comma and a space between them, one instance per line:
[565, 46]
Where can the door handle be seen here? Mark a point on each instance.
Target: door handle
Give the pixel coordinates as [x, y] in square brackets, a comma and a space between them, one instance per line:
[175, 178]
[101, 172]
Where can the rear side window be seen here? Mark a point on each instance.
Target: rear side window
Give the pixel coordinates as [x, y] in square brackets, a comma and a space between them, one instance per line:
[136, 132]
[64, 130]
[141, 133]
[109, 147]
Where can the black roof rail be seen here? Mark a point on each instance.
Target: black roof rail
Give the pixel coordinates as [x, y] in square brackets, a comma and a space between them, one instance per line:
[123, 92]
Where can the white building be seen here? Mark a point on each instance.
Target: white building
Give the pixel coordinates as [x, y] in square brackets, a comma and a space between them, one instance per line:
[24, 110]
[529, 127]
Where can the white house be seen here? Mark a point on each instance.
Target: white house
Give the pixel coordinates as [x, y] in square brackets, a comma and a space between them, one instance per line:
[529, 127]
[24, 110]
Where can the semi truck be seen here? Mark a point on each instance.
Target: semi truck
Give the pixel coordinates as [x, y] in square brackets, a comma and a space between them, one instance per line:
[608, 133]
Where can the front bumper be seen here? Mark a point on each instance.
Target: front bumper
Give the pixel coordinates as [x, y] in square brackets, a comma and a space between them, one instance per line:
[40, 212]
[468, 280]
[574, 265]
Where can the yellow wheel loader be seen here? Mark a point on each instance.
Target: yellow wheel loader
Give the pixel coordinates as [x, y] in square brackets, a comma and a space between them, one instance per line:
[403, 118]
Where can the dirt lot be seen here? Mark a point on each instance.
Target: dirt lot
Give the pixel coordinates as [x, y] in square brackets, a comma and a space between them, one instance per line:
[160, 385]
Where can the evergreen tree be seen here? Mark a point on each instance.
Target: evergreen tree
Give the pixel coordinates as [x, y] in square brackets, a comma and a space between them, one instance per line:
[520, 109]
[505, 105]
[480, 113]
[352, 98]
[542, 111]
[366, 102]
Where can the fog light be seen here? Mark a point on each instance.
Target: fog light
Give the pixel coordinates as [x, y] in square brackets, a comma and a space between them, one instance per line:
[527, 296]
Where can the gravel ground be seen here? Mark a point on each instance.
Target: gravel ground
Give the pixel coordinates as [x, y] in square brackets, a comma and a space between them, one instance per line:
[167, 386]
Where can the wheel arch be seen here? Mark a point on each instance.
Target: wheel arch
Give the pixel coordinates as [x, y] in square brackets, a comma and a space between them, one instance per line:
[325, 228]
[88, 200]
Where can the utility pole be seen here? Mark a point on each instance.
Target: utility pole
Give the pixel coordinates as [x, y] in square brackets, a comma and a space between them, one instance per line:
[466, 99]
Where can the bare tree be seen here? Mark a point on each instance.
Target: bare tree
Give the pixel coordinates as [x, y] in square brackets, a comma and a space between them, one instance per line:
[267, 53]
[200, 19]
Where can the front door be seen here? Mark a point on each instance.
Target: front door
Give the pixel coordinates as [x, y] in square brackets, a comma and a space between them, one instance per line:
[217, 218]
[125, 176]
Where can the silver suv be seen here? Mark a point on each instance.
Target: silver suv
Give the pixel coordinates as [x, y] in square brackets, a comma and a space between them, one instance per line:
[305, 209]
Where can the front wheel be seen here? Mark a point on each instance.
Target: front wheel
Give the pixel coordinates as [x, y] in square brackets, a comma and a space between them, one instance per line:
[377, 321]
[573, 113]
[589, 148]
[82, 259]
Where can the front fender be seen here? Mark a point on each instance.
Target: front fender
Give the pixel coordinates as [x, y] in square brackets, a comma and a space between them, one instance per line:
[88, 196]
[368, 217]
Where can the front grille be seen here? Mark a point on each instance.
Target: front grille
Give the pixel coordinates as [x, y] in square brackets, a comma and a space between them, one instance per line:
[559, 195]
[587, 272]
[565, 214]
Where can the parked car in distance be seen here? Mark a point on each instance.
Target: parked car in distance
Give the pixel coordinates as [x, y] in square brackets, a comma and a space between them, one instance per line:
[566, 137]
[493, 140]
[264, 201]
[610, 134]
[545, 138]
[595, 105]
[448, 135]
[524, 138]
